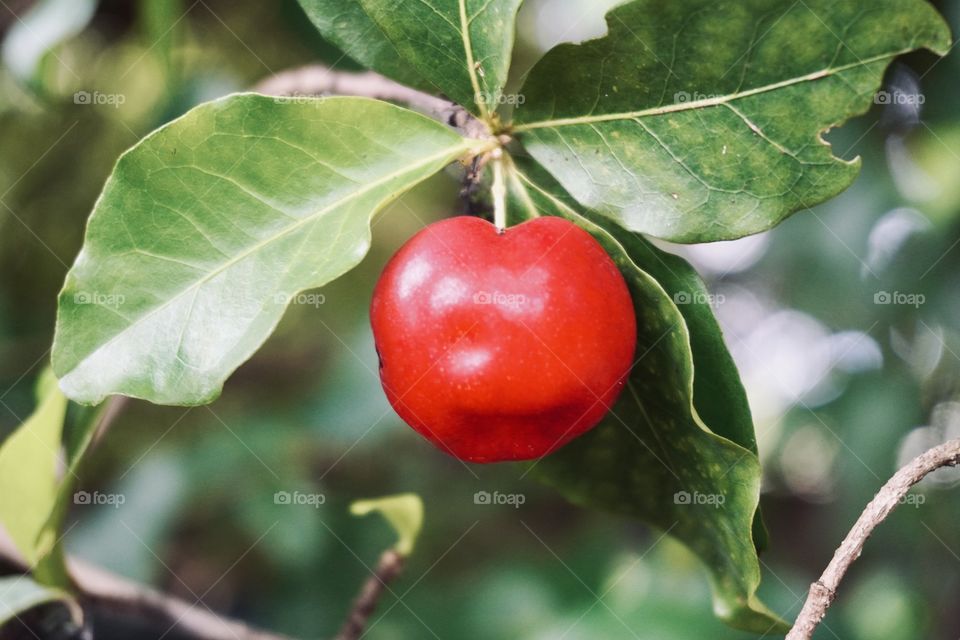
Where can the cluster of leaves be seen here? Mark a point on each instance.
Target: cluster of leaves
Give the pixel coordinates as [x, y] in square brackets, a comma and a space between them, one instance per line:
[691, 121]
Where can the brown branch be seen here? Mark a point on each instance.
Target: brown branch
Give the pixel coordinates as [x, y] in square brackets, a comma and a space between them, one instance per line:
[317, 80]
[115, 596]
[115, 406]
[471, 193]
[390, 566]
[823, 591]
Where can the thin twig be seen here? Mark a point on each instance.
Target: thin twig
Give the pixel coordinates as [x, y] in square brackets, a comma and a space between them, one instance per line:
[115, 406]
[823, 591]
[113, 596]
[473, 205]
[107, 592]
[317, 80]
[390, 566]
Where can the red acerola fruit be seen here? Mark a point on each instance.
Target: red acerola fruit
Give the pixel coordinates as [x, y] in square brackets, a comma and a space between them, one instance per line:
[502, 346]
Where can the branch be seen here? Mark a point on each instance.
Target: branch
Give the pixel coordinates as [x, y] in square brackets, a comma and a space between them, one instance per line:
[114, 407]
[317, 80]
[390, 566]
[116, 596]
[823, 591]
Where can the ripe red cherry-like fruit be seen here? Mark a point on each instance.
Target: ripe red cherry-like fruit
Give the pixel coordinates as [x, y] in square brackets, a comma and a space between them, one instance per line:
[502, 346]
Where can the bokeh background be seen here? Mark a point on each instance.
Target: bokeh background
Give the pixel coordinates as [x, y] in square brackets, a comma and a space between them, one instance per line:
[844, 321]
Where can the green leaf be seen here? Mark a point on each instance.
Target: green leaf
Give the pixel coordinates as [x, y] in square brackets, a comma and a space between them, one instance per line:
[461, 48]
[35, 498]
[719, 396]
[210, 226]
[19, 594]
[346, 24]
[28, 473]
[700, 120]
[718, 393]
[653, 457]
[78, 433]
[404, 512]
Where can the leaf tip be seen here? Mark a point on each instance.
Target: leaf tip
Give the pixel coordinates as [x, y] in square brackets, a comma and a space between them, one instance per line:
[404, 512]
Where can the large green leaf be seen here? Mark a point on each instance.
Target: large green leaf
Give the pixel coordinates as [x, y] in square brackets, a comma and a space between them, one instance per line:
[700, 120]
[653, 457]
[28, 473]
[718, 393]
[212, 224]
[346, 24]
[460, 47]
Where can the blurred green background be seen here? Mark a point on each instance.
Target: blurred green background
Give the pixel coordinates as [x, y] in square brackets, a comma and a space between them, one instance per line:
[845, 323]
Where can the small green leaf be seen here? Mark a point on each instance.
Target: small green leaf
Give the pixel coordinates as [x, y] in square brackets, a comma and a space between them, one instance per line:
[653, 457]
[28, 473]
[461, 48]
[700, 120]
[404, 512]
[19, 594]
[211, 225]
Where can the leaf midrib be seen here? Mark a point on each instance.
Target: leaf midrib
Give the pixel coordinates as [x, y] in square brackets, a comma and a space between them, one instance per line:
[708, 102]
[478, 96]
[463, 146]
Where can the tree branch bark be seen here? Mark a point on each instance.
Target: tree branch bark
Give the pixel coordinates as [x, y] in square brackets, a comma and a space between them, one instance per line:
[113, 595]
[823, 591]
[317, 80]
[109, 593]
[390, 566]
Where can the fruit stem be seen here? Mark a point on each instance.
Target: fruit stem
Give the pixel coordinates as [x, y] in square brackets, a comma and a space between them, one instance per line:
[499, 191]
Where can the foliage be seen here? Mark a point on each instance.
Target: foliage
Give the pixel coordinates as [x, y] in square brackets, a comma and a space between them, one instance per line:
[32, 491]
[183, 277]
